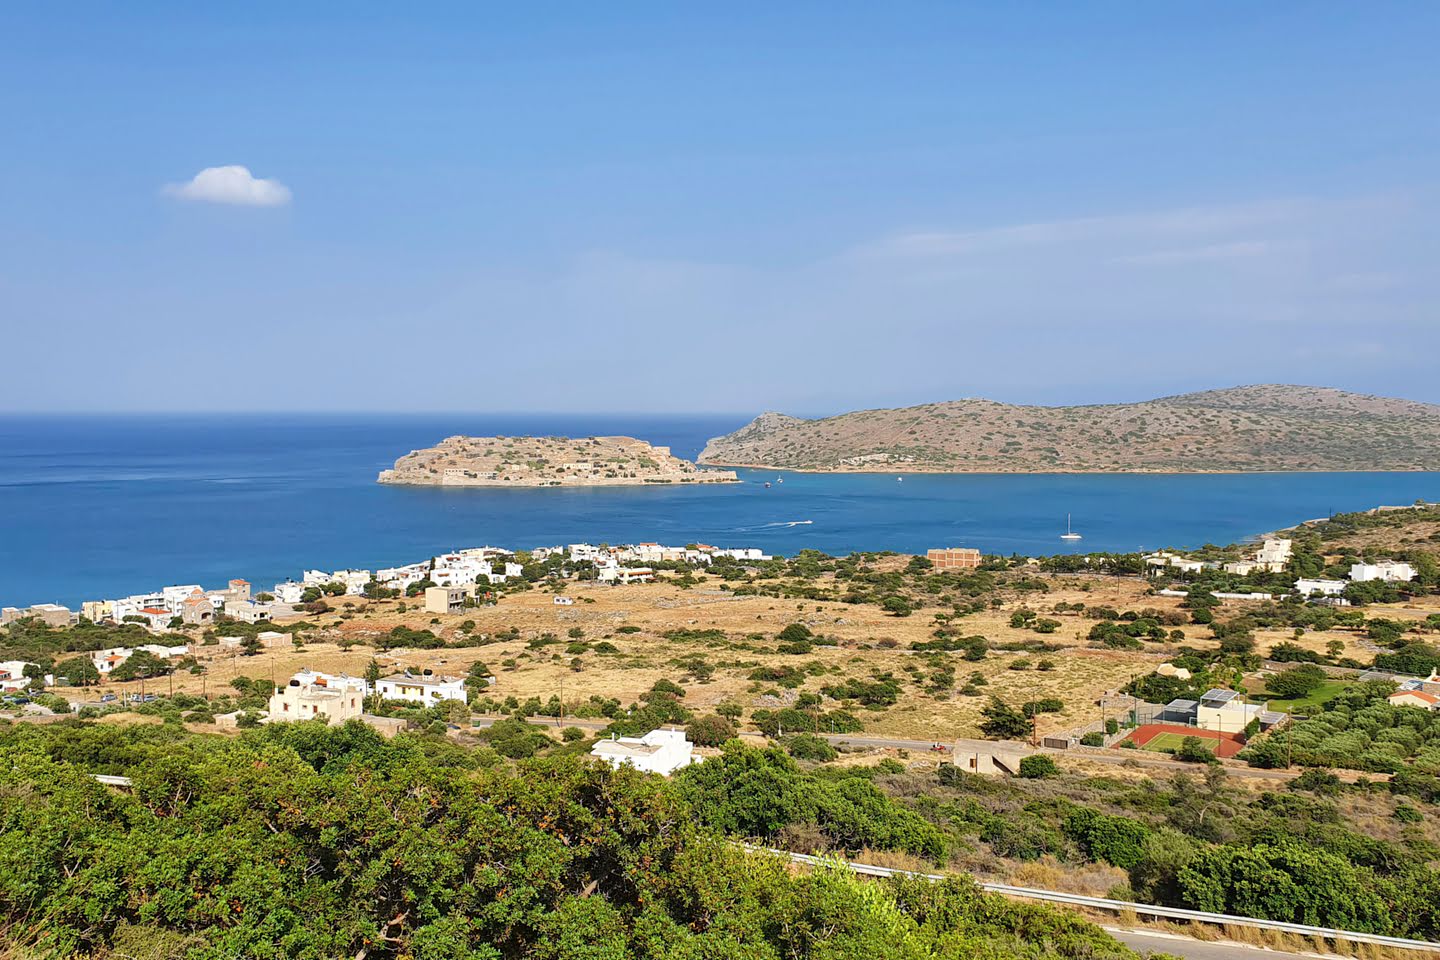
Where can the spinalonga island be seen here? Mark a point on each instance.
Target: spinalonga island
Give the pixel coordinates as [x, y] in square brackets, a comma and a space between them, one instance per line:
[547, 462]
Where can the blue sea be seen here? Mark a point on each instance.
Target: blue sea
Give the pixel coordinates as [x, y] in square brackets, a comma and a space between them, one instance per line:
[103, 506]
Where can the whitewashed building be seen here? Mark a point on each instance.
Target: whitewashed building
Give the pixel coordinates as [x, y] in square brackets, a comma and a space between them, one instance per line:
[1312, 586]
[289, 592]
[173, 598]
[659, 751]
[424, 688]
[1391, 571]
[110, 658]
[13, 679]
[1273, 555]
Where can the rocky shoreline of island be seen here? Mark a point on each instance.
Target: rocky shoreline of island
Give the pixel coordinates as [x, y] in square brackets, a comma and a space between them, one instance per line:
[499, 461]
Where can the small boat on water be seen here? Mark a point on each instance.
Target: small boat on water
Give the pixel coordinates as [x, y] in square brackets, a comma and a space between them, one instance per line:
[767, 484]
[899, 479]
[779, 479]
[1069, 534]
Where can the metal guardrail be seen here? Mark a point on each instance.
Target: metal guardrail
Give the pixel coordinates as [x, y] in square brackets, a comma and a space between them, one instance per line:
[111, 781]
[1125, 906]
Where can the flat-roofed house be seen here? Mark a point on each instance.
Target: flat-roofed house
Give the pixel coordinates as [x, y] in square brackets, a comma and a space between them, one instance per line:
[51, 614]
[1274, 555]
[12, 676]
[97, 610]
[953, 558]
[659, 751]
[317, 678]
[289, 592]
[1310, 586]
[174, 597]
[445, 599]
[424, 687]
[249, 611]
[626, 575]
[1225, 711]
[334, 702]
[1390, 571]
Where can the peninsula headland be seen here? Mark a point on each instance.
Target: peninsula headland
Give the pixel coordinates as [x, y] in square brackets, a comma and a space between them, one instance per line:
[1253, 428]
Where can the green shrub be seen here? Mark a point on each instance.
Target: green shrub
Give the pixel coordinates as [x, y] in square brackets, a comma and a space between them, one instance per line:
[807, 746]
[1194, 750]
[710, 731]
[1038, 766]
[1114, 840]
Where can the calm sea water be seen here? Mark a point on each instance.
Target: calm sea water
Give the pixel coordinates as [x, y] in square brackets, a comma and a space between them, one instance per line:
[105, 506]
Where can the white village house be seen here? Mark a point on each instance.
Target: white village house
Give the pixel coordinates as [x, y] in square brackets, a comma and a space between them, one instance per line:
[426, 688]
[13, 679]
[1327, 588]
[1391, 571]
[659, 751]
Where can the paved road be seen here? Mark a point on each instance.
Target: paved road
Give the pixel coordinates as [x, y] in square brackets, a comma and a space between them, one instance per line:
[1144, 942]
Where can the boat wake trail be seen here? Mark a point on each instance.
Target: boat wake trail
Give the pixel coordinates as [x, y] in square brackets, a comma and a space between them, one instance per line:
[778, 523]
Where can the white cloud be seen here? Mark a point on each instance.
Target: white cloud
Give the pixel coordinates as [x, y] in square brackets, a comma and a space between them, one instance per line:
[232, 184]
[1086, 233]
[1213, 251]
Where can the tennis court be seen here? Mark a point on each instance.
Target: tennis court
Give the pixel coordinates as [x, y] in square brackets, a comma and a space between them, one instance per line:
[1169, 737]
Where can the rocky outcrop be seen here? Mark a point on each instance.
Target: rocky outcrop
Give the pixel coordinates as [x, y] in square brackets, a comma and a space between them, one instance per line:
[547, 462]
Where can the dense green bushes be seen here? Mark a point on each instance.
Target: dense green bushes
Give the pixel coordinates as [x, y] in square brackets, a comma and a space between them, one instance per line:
[1116, 840]
[757, 793]
[308, 841]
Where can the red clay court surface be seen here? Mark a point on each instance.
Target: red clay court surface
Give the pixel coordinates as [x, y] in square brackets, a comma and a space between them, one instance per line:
[1225, 745]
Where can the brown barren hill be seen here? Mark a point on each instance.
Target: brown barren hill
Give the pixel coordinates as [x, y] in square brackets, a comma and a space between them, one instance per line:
[1252, 428]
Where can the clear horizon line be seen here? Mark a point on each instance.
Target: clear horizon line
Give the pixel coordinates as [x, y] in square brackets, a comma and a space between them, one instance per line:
[368, 413]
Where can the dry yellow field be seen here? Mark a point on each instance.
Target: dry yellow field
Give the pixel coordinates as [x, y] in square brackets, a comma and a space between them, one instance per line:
[868, 642]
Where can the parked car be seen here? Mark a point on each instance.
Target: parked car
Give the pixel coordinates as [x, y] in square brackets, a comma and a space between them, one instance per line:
[109, 698]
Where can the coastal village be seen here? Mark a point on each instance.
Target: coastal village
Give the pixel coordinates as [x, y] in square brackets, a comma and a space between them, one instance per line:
[463, 586]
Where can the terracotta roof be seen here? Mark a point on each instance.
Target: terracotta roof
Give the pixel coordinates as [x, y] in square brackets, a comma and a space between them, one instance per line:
[1421, 695]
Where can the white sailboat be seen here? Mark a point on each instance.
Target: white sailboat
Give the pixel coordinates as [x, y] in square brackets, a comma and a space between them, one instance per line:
[1069, 534]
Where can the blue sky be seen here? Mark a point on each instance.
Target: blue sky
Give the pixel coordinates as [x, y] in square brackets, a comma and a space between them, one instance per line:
[805, 207]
